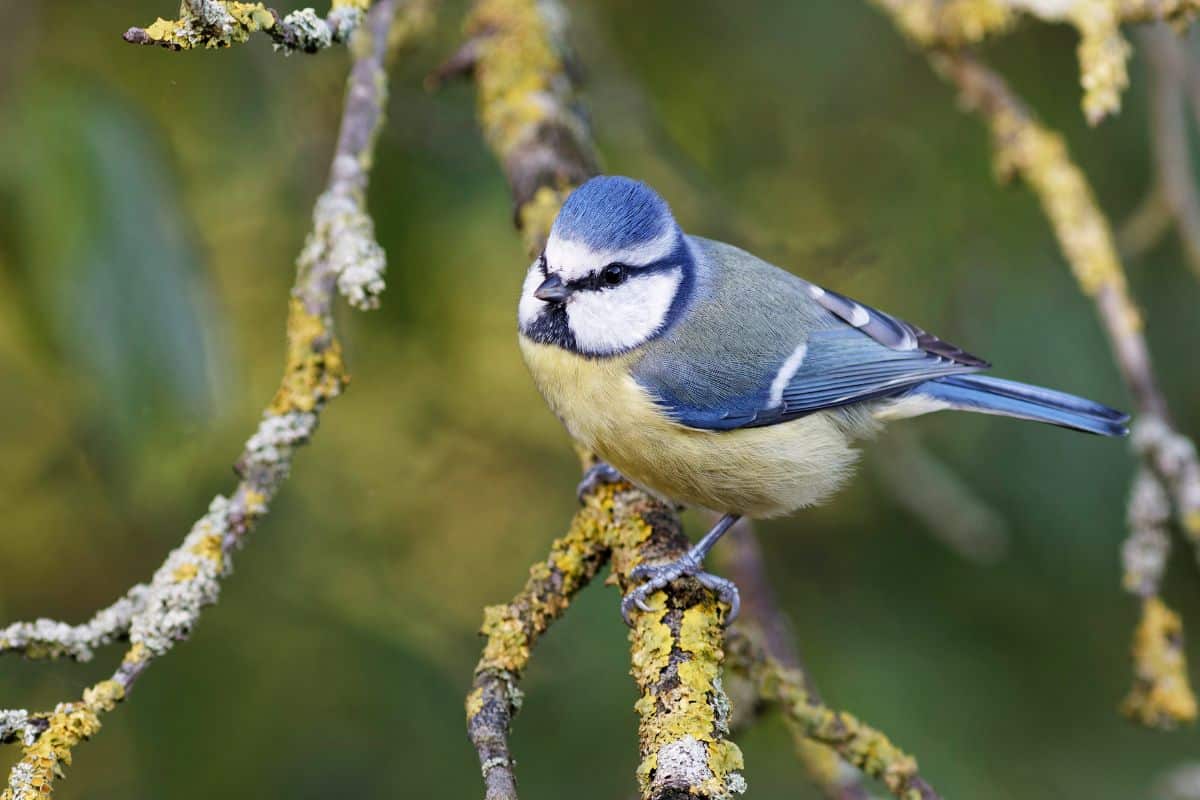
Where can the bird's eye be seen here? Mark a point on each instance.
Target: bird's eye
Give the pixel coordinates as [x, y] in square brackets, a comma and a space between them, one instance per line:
[613, 274]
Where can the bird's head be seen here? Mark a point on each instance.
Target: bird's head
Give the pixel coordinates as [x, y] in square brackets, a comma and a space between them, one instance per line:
[614, 272]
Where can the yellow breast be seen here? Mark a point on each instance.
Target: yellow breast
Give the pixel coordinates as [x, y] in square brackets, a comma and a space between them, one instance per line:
[759, 472]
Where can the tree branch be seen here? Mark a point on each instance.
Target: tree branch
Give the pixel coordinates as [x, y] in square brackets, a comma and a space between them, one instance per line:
[157, 616]
[223, 23]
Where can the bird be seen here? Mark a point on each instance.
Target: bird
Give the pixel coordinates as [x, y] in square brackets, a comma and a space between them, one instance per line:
[711, 378]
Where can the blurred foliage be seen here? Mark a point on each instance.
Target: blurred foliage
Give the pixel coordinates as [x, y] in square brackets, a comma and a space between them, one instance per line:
[152, 206]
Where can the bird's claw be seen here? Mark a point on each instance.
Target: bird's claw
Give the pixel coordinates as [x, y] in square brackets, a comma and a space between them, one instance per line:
[598, 475]
[652, 577]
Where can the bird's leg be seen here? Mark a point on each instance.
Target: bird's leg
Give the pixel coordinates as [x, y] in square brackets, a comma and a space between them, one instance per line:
[597, 475]
[691, 565]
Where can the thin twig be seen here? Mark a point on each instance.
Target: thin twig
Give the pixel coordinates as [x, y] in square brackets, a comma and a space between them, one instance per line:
[47, 638]
[164, 612]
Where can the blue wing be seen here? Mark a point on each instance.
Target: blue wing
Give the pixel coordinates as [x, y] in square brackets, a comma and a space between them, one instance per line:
[856, 354]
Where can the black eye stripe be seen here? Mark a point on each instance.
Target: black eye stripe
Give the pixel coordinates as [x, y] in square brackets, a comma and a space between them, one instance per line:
[595, 280]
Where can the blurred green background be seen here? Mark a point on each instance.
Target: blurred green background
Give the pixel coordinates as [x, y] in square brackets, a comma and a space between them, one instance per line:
[151, 206]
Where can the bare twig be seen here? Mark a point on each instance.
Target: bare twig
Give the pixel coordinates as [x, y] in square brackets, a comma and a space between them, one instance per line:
[223, 23]
[157, 616]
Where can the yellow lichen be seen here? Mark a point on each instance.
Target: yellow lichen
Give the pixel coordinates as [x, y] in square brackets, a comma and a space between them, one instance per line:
[949, 22]
[314, 371]
[189, 31]
[136, 654]
[185, 572]
[1161, 696]
[677, 666]
[652, 643]
[255, 502]
[507, 645]
[474, 702]
[517, 67]
[210, 547]
[1103, 58]
[69, 724]
[537, 215]
[1191, 524]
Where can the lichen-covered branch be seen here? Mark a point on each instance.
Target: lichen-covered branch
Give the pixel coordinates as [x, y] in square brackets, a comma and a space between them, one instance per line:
[512, 630]
[223, 23]
[1026, 149]
[528, 110]
[1103, 50]
[676, 652]
[157, 616]
[858, 743]
[47, 638]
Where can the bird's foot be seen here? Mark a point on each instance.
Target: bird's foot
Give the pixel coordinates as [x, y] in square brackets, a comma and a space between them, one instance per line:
[598, 475]
[652, 577]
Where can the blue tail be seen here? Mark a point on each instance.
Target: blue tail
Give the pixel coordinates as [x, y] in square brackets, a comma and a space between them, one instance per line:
[1020, 400]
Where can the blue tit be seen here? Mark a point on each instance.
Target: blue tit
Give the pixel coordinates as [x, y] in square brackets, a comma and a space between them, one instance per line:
[711, 378]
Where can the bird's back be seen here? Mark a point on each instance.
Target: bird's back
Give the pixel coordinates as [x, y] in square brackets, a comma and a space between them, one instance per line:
[748, 311]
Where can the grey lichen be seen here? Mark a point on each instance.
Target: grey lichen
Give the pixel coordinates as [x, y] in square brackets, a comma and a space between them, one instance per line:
[20, 725]
[683, 762]
[46, 638]
[344, 238]
[1145, 551]
[186, 582]
[310, 32]
[268, 455]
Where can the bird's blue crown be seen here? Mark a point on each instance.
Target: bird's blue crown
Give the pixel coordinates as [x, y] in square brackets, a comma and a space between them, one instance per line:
[610, 212]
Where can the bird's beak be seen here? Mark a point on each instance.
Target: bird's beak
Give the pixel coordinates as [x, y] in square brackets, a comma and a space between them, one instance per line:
[552, 290]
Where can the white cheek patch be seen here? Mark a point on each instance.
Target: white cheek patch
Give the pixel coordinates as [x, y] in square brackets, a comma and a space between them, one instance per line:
[529, 307]
[611, 320]
[574, 260]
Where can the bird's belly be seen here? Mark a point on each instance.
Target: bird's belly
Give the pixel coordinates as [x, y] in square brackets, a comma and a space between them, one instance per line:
[759, 472]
